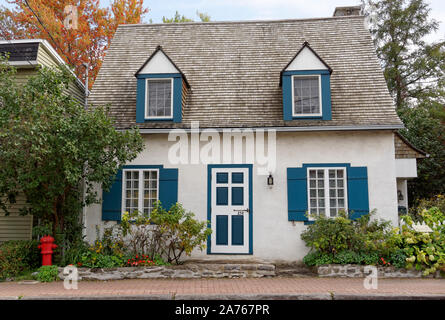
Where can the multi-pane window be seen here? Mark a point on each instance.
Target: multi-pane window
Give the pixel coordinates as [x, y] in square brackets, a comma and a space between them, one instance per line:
[159, 98]
[306, 95]
[140, 190]
[327, 191]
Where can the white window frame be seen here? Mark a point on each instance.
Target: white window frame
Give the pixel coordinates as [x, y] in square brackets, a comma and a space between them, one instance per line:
[326, 190]
[146, 99]
[140, 187]
[319, 94]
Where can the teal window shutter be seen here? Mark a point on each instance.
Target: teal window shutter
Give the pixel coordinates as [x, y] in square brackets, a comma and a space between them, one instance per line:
[112, 200]
[140, 100]
[168, 187]
[358, 199]
[297, 194]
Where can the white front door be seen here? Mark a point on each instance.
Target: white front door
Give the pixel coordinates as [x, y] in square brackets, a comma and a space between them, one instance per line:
[230, 212]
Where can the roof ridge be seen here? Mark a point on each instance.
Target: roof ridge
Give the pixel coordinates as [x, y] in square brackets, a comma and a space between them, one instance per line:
[241, 21]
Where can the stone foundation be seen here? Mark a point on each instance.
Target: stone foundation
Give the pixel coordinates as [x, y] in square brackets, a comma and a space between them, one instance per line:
[358, 271]
[186, 271]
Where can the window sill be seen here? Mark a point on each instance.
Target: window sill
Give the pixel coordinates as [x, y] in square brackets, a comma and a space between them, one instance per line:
[158, 119]
[308, 117]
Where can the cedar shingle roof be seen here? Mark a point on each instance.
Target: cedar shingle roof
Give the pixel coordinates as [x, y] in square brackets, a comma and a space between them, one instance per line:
[233, 69]
[405, 150]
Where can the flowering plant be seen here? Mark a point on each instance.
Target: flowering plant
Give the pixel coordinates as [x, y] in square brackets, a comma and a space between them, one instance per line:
[142, 261]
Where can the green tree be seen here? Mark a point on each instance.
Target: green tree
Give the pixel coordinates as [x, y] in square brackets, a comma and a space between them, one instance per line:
[414, 72]
[204, 17]
[427, 132]
[413, 68]
[50, 147]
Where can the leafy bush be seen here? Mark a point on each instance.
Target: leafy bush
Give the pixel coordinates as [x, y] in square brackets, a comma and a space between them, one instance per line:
[347, 257]
[165, 234]
[363, 241]
[317, 258]
[142, 241]
[426, 204]
[398, 258]
[369, 258]
[341, 233]
[74, 253]
[344, 241]
[178, 232]
[18, 256]
[137, 230]
[47, 274]
[425, 251]
[91, 259]
[330, 235]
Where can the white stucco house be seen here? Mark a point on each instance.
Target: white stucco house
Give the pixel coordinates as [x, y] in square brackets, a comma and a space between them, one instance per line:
[307, 103]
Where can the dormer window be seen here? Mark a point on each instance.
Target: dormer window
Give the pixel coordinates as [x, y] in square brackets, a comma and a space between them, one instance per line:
[159, 102]
[161, 89]
[306, 95]
[306, 87]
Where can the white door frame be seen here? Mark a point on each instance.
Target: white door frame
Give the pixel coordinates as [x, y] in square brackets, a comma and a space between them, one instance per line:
[230, 210]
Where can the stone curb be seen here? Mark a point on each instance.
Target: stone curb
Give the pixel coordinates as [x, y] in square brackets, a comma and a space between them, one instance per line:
[389, 297]
[303, 296]
[223, 297]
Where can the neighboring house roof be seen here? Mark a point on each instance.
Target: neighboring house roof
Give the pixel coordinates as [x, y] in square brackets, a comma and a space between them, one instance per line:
[26, 53]
[20, 53]
[405, 150]
[233, 69]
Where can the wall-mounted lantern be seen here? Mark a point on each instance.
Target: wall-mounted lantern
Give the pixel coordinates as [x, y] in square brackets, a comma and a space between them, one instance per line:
[400, 195]
[270, 180]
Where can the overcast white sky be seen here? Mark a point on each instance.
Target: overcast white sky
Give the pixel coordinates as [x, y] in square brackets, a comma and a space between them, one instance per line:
[229, 10]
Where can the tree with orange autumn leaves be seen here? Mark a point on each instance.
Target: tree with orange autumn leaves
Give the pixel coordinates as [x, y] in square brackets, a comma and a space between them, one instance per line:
[85, 41]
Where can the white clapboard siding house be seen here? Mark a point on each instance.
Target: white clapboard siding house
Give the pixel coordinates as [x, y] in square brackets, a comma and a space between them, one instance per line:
[313, 87]
[27, 55]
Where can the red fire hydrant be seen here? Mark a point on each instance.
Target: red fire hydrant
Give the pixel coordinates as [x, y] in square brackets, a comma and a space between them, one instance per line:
[47, 245]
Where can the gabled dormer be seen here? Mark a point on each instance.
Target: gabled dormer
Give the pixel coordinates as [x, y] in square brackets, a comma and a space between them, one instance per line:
[306, 87]
[161, 89]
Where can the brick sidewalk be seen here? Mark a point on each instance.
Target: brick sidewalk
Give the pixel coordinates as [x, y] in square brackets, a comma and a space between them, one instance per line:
[213, 287]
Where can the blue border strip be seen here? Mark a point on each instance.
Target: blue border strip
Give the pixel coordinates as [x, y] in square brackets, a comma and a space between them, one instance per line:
[209, 204]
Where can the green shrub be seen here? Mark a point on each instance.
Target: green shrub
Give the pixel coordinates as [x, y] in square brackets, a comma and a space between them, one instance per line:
[178, 232]
[92, 259]
[74, 253]
[426, 204]
[47, 274]
[335, 235]
[317, 258]
[369, 258]
[398, 258]
[165, 234]
[311, 258]
[344, 241]
[18, 256]
[425, 251]
[330, 235]
[347, 257]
